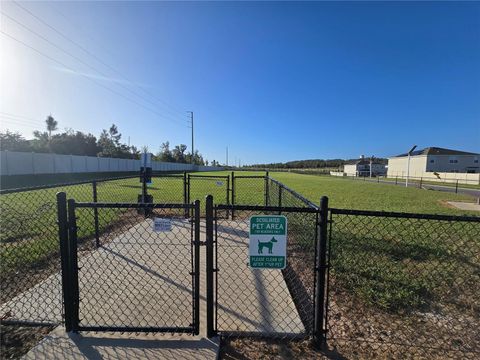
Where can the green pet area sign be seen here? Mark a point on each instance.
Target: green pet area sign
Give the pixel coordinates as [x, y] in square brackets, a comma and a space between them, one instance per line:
[268, 242]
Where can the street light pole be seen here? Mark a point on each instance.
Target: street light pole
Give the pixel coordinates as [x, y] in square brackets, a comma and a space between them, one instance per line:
[408, 164]
[371, 162]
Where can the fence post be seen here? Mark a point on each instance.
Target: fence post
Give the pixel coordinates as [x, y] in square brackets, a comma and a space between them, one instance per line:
[233, 194]
[280, 191]
[321, 266]
[73, 264]
[95, 214]
[456, 187]
[396, 180]
[64, 252]
[267, 190]
[209, 263]
[421, 180]
[197, 268]
[185, 194]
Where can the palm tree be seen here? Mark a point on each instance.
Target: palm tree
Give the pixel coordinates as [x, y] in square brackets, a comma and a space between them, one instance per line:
[51, 125]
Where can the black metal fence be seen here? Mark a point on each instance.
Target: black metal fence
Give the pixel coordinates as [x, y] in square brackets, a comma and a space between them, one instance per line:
[29, 246]
[145, 275]
[404, 284]
[370, 284]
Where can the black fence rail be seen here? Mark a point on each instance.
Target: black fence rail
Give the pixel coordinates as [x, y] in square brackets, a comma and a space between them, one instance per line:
[404, 284]
[143, 277]
[370, 284]
[29, 246]
[30, 253]
[263, 302]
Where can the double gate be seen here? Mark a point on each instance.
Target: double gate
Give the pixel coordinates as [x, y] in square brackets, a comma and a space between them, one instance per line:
[143, 275]
[140, 279]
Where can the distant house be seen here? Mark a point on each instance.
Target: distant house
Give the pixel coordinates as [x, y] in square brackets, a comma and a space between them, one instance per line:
[434, 160]
[361, 167]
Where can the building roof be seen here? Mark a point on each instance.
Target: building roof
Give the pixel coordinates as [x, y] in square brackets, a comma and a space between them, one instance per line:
[437, 151]
[363, 162]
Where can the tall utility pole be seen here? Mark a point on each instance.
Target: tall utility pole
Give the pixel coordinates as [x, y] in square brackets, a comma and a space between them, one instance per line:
[191, 120]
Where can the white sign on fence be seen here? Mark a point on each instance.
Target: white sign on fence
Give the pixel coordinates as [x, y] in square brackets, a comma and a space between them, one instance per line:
[162, 225]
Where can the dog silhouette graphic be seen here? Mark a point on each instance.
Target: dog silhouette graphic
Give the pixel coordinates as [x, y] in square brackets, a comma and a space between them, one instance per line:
[266, 244]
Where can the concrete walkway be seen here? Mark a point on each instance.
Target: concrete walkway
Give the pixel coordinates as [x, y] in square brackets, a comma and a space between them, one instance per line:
[465, 205]
[61, 345]
[142, 278]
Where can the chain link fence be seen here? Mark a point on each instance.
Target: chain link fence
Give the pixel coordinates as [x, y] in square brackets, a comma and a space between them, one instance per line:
[141, 278]
[404, 284]
[398, 285]
[30, 253]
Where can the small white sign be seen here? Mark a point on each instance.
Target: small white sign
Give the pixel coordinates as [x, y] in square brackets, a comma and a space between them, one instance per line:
[162, 225]
[219, 183]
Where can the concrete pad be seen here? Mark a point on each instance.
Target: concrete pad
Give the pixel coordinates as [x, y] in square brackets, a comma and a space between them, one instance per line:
[60, 345]
[465, 206]
[142, 278]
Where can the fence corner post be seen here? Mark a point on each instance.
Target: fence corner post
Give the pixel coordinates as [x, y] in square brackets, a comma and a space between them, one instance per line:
[209, 264]
[319, 331]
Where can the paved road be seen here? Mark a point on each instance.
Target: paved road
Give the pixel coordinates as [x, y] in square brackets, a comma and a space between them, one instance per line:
[466, 191]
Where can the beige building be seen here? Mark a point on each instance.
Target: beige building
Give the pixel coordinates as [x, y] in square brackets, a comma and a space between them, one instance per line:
[432, 161]
[362, 168]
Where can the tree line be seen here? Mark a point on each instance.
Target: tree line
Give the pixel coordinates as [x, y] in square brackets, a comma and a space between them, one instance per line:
[108, 144]
[312, 164]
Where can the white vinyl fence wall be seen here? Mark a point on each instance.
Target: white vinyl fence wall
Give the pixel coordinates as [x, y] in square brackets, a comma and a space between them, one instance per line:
[22, 163]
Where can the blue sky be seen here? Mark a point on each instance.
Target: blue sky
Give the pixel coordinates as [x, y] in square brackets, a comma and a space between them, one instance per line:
[272, 81]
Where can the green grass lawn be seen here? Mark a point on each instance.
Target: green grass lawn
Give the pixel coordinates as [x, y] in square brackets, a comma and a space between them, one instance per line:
[370, 255]
[348, 194]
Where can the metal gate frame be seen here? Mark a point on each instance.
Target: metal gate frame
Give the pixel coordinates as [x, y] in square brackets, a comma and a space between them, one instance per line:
[321, 264]
[68, 248]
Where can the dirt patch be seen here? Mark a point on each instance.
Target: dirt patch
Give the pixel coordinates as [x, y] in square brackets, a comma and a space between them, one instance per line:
[16, 340]
[252, 349]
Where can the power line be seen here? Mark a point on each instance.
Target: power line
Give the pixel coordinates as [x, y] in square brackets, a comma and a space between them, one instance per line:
[90, 53]
[87, 77]
[24, 120]
[80, 60]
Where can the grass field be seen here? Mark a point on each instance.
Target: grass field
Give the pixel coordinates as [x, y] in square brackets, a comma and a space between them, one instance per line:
[347, 194]
[396, 266]
[27, 217]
